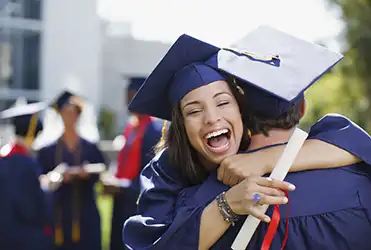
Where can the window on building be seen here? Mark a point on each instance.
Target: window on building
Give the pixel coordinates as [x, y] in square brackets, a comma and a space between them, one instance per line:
[30, 9]
[20, 60]
[5, 64]
[19, 48]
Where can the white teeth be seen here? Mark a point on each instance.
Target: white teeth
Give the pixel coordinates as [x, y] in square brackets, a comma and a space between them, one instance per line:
[216, 133]
[221, 147]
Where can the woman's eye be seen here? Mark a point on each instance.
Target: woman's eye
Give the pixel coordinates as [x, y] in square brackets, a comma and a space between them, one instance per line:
[223, 103]
[194, 111]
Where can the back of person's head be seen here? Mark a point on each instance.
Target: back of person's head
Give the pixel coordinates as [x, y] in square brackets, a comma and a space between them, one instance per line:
[25, 119]
[27, 126]
[260, 124]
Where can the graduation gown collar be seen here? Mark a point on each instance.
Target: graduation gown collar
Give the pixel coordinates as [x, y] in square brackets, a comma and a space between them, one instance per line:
[15, 148]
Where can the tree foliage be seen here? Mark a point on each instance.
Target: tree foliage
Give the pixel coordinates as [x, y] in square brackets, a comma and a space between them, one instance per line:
[347, 89]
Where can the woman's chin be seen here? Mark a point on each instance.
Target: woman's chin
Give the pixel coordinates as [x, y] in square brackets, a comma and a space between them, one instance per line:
[216, 159]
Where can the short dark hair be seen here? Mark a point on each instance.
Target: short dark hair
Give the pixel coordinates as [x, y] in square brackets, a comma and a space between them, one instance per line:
[182, 154]
[260, 124]
[22, 125]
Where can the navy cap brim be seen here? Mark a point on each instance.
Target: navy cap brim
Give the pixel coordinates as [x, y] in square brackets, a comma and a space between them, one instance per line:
[152, 97]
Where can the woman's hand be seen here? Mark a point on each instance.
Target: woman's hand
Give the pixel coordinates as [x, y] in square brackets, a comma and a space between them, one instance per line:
[247, 196]
[73, 174]
[313, 155]
[236, 168]
[68, 177]
[83, 175]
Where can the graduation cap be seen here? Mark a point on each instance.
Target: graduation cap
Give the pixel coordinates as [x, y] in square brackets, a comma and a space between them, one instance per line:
[25, 119]
[181, 70]
[274, 68]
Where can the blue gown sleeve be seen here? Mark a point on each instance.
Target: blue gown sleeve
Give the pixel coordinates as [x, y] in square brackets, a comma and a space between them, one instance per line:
[343, 133]
[181, 233]
[179, 229]
[160, 186]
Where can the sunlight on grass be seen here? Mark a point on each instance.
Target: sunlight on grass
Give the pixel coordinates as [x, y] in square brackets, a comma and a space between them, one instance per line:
[104, 203]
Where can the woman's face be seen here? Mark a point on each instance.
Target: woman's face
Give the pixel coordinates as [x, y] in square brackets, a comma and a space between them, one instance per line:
[70, 115]
[213, 122]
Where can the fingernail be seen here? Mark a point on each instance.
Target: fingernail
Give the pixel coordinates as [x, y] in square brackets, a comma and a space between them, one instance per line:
[267, 219]
[285, 200]
[269, 179]
[291, 187]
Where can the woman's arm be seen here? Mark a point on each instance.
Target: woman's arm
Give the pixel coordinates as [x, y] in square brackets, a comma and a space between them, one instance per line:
[240, 200]
[212, 226]
[314, 154]
[317, 154]
[333, 142]
[160, 186]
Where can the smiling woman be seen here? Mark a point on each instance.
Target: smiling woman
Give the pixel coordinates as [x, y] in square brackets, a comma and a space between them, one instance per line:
[211, 115]
[205, 107]
[206, 127]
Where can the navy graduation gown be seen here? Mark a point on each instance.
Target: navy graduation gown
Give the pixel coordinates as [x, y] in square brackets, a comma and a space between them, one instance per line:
[325, 213]
[124, 205]
[23, 208]
[169, 212]
[74, 203]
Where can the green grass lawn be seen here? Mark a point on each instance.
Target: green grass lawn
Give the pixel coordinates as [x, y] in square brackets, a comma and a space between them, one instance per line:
[105, 209]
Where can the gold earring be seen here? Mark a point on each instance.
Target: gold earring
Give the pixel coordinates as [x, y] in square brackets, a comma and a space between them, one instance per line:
[249, 132]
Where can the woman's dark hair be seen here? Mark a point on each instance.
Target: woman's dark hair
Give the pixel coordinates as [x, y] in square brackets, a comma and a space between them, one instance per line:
[182, 154]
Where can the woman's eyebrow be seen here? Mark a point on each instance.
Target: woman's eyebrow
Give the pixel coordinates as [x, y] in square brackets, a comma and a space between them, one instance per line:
[190, 103]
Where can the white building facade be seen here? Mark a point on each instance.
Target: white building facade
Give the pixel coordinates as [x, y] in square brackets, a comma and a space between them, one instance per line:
[46, 45]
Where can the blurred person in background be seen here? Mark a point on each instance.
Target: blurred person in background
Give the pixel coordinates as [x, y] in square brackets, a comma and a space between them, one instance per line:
[76, 217]
[24, 221]
[141, 134]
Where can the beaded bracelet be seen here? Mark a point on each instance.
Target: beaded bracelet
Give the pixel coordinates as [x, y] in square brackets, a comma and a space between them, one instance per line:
[225, 210]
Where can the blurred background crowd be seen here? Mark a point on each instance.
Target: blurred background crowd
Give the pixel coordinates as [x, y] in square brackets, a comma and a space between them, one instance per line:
[102, 48]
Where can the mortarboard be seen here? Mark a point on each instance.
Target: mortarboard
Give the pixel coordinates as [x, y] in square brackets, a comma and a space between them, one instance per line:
[274, 68]
[181, 70]
[25, 119]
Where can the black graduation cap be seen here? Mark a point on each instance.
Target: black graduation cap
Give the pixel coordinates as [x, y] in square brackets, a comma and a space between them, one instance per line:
[25, 118]
[66, 97]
